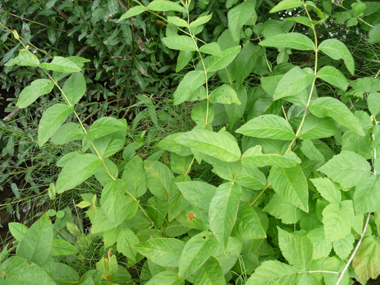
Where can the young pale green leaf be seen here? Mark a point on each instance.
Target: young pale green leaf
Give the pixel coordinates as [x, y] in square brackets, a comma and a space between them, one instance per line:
[209, 273]
[333, 76]
[134, 177]
[158, 178]
[224, 94]
[62, 247]
[215, 63]
[51, 120]
[167, 278]
[328, 189]
[183, 43]
[217, 145]
[125, 240]
[248, 225]
[290, 40]
[366, 262]
[212, 48]
[338, 50]
[37, 242]
[74, 88]
[105, 126]
[61, 64]
[348, 168]
[254, 157]
[286, 4]
[134, 11]
[195, 253]
[31, 93]
[191, 82]
[17, 230]
[177, 21]
[367, 195]
[162, 251]
[343, 247]
[321, 248]
[283, 210]
[198, 194]
[316, 128]
[25, 58]
[293, 82]
[76, 171]
[200, 21]
[273, 273]
[67, 133]
[331, 107]
[301, 20]
[164, 5]
[291, 184]
[223, 211]
[238, 15]
[19, 271]
[268, 127]
[337, 220]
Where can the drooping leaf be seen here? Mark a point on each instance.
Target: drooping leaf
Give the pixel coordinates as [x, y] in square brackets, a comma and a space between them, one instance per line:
[183, 43]
[331, 107]
[248, 225]
[367, 195]
[366, 262]
[301, 20]
[224, 94]
[183, 59]
[177, 21]
[61, 64]
[284, 210]
[286, 4]
[25, 58]
[164, 5]
[191, 82]
[273, 273]
[291, 40]
[31, 93]
[74, 88]
[134, 11]
[333, 76]
[328, 189]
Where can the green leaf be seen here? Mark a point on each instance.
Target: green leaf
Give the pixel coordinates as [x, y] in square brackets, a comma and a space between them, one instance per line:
[191, 82]
[268, 127]
[227, 256]
[67, 133]
[337, 220]
[31, 93]
[25, 58]
[343, 247]
[61, 64]
[347, 168]
[328, 189]
[165, 278]
[177, 21]
[367, 195]
[217, 145]
[315, 128]
[373, 102]
[51, 120]
[37, 242]
[366, 262]
[291, 184]
[100, 222]
[212, 48]
[62, 247]
[63, 272]
[333, 76]
[105, 126]
[18, 230]
[200, 21]
[331, 107]
[273, 273]
[198, 194]
[254, 157]
[338, 50]
[195, 253]
[224, 94]
[286, 4]
[107, 145]
[238, 15]
[163, 5]
[162, 251]
[215, 63]
[183, 43]
[293, 82]
[74, 88]
[301, 20]
[134, 177]
[290, 40]
[223, 211]
[134, 11]
[125, 240]
[210, 273]
[251, 178]
[19, 271]
[158, 178]
[282, 209]
[76, 171]
[374, 34]
[169, 143]
[248, 225]
[321, 248]
[183, 59]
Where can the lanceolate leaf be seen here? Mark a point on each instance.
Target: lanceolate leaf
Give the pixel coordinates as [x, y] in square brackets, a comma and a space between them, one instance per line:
[291, 40]
[105, 126]
[366, 262]
[134, 11]
[51, 120]
[134, 177]
[191, 82]
[286, 4]
[223, 211]
[76, 171]
[212, 48]
[217, 145]
[331, 107]
[74, 88]
[184, 43]
[333, 76]
[367, 195]
[31, 93]
[163, 5]
[273, 273]
[215, 63]
[61, 64]
[338, 50]
[291, 184]
[200, 21]
[269, 127]
[238, 15]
